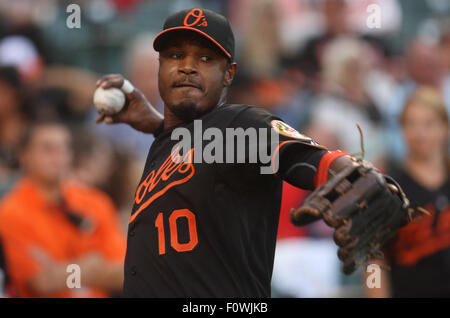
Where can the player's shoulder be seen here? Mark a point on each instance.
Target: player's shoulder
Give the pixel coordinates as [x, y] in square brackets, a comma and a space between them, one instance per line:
[239, 109]
[243, 114]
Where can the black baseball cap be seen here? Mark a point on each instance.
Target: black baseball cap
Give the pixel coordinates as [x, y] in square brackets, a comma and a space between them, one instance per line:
[213, 26]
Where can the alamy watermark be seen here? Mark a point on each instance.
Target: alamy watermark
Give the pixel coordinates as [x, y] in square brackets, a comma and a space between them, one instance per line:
[73, 20]
[236, 145]
[373, 280]
[74, 278]
[373, 20]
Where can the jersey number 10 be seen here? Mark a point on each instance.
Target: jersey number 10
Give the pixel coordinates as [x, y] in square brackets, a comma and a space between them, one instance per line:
[177, 246]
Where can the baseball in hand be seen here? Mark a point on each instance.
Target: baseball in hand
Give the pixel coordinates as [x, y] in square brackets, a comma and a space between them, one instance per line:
[109, 101]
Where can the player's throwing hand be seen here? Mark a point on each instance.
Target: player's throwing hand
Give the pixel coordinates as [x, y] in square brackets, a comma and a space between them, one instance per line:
[137, 112]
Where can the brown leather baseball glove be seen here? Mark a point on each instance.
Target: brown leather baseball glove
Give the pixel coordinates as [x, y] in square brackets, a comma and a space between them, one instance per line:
[365, 208]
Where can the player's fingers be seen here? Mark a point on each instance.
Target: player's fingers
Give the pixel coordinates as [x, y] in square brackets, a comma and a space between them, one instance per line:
[108, 80]
[116, 82]
[120, 117]
[104, 78]
[100, 119]
[99, 82]
[109, 120]
[134, 93]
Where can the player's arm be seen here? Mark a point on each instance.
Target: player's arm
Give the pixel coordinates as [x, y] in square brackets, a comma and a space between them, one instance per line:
[138, 112]
[307, 166]
[302, 162]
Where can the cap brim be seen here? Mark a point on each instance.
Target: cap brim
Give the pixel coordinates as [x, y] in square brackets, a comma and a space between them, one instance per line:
[159, 37]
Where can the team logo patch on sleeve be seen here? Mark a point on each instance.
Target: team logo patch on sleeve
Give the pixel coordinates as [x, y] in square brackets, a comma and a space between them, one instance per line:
[284, 129]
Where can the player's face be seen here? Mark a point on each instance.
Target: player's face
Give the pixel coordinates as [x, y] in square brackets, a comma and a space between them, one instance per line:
[192, 75]
[425, 132]
[48, 155]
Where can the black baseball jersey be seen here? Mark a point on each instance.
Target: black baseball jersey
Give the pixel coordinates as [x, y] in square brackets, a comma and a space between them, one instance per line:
[419, 255]
[208, 229]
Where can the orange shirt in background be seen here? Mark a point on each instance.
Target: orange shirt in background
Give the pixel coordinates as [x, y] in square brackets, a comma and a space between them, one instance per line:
[28, 222]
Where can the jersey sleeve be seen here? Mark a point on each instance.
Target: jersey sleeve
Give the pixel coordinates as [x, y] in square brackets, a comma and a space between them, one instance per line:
[294, 157]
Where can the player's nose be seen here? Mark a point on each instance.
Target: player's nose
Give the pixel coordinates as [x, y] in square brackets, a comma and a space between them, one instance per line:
[188, 66]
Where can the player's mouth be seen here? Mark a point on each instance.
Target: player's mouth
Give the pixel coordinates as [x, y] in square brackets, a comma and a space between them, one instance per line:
[187, 84]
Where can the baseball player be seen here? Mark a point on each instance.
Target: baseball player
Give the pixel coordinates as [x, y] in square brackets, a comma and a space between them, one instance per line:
[201, 229]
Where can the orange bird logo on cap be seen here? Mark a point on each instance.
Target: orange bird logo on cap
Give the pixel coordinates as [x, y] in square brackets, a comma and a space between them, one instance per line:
[195, 17]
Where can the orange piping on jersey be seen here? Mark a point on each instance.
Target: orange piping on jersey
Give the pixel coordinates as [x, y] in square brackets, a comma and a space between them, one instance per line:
[164, 173]
[418, 240]
[324, 165]
[278, 149]
[288, 141]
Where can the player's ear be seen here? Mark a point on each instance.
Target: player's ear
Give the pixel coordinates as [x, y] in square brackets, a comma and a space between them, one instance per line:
[229, 73]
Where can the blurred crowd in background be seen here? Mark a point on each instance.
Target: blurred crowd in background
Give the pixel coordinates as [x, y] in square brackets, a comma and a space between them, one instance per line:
[315, 63]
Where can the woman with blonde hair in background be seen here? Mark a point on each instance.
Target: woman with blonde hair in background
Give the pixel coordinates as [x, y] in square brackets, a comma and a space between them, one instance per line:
[419, 255]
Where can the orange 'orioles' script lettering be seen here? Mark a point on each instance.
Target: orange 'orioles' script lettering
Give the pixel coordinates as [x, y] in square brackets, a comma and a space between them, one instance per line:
[198, 15]
[173, 163]
[418, 240]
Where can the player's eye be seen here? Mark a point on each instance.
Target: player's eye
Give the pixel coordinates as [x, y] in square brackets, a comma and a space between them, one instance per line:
[205, 58]
[176, 56]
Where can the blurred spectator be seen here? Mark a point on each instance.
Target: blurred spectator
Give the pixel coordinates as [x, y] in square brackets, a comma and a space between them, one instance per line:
[340, 18]
[93, 160]
[335, 16]
[423, 64]
[48, 222]
[424, 67]
[419, 18]
[345, 101]
[419, 255]
[64, 93]
[444, 49]
[13, 120]
[261, 50]
[293, 104]
[142, 66]
[20, 52]
[100, 164]
[4, 278]
[21, 44]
